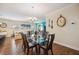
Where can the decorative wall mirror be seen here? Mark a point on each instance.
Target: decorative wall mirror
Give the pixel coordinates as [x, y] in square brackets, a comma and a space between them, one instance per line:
[61, 21]
[3, 25]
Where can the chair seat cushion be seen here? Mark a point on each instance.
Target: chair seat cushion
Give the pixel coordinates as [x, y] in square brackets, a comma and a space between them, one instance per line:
[43, 45]
[32, 44]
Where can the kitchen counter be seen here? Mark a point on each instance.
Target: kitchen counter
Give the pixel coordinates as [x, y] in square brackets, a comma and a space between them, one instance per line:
[3, 33]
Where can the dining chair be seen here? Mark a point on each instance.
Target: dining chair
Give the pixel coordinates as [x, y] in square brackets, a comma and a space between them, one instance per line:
[48, 44]
[26, 45]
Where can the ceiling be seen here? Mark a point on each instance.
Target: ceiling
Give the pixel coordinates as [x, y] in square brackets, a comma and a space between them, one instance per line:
[25, 10]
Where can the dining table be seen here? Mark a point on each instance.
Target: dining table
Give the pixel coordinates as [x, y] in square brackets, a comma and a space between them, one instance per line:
[39, 40]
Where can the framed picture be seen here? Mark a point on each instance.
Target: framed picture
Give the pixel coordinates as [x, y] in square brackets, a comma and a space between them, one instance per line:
[52, 24]
[26, 26]
[49, 23]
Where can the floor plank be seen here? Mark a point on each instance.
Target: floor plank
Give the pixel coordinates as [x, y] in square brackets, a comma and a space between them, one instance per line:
[11, 47]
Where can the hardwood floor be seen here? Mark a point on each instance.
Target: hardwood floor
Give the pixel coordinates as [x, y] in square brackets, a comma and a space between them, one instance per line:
[11, 47]
[61, 50]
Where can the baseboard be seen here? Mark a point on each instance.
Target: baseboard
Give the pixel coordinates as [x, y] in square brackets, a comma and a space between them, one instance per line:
[66, 45]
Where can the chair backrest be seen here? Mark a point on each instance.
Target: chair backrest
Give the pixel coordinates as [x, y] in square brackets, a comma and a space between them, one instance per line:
[50, 40]
[25, 42]
[28, 33]
[45, 35]
[35, 32]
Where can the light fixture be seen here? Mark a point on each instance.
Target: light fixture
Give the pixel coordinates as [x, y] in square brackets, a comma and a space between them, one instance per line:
[32, 6]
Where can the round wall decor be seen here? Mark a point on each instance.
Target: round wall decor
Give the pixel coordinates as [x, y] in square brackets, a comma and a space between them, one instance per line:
[61, 21]
[3, 25]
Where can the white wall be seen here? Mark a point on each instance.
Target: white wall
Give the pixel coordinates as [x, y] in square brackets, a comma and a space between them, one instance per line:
[69, 34]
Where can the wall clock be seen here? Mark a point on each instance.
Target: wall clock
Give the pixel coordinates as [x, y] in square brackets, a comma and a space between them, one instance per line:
[61, 21]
